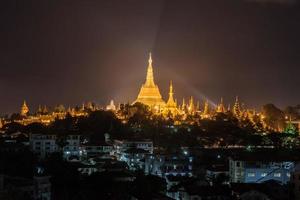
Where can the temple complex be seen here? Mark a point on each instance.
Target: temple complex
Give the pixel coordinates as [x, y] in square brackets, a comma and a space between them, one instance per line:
[149, 95]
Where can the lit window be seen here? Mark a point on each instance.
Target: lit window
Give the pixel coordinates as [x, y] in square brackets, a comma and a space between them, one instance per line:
[277, 174]
[251, 174]
[288, 174]
[263, 174]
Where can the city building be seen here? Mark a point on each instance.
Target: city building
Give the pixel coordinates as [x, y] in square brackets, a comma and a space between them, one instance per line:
[169, 164]
[97, 148]
[295, 181]
[121, 146]
[199, 192]
[213, 171]
[43, 145]
[257, 169]
[135, 158]
[38, 188]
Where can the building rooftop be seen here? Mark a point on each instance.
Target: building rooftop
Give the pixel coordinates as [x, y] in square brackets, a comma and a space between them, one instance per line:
[97, 143]
[136, 151]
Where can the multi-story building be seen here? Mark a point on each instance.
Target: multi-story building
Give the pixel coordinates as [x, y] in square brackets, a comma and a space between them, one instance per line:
[97, 148]
[123, 145]
[135, 158]
[44, 145]
[295, 180]
[245, 169]
[169, 164]
[37, 188]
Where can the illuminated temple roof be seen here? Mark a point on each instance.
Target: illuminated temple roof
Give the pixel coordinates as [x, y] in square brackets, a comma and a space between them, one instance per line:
[171, 105]
[149, 93]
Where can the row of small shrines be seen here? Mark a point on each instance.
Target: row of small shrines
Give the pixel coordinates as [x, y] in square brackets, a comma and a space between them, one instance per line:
[45, 116]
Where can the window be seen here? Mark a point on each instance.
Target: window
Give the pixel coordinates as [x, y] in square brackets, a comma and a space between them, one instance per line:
[238, 164]
[288, 174]
[277, 174]
[251, 174]
[263, 174]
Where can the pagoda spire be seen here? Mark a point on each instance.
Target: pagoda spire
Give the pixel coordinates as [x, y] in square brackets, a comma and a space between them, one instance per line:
[183, 104]
[149, 77]
[206, 108]
[24, 109]
[149, 93]
[220, 107]
[171, 101]
[198, 106]
[191, 107]
[236, 107]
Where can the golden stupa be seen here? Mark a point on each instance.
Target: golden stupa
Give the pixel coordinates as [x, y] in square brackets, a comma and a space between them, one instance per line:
[149, 93]
[171, 106]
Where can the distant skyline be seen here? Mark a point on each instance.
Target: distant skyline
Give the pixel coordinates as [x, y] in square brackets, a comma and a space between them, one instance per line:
[62, 52]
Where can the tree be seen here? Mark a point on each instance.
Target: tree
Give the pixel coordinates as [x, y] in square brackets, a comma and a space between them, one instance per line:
[274, 117]
[220, 179]
[146, 186]
[292, 112]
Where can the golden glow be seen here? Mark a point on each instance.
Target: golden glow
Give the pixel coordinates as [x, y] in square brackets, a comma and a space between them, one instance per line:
[149, 93]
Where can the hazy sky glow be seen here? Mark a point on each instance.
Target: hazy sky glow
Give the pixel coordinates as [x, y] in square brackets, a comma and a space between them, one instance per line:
[55, 52]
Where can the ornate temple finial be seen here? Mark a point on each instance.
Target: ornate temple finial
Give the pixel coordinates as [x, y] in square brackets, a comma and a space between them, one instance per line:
[205, 113]
[237, 108]
[171, 101]
[191, 107]
[150, 59]
[220, 107]
[149, 77]
[40, 110]
[198, 106]
[171, 86]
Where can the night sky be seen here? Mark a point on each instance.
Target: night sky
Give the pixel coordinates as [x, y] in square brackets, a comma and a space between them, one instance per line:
[70, 52]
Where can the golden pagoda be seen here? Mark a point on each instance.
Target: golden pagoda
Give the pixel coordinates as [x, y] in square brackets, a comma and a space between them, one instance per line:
[236, 108]
[149, 93]
[191, 107]
[171, 106]
[221, 107]
[24, 109]
[205, 113]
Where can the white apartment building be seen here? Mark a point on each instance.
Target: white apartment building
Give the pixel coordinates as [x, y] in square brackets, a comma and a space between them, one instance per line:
[43, 145]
